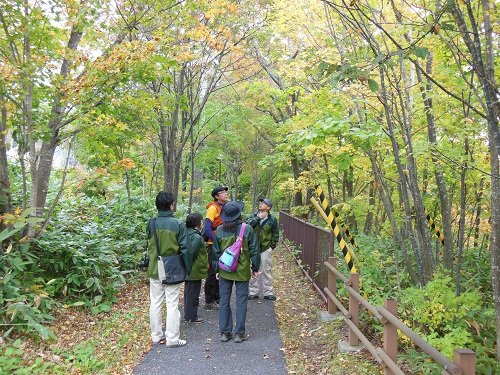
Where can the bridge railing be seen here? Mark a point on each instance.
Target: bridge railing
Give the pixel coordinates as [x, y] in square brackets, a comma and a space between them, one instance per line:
[316, 246]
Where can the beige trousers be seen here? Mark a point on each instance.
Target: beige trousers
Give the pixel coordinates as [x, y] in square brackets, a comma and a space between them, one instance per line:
[158, 293]
[263, 284]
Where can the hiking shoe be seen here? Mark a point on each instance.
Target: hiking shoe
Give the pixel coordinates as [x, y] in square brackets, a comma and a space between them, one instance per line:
[240, 337]
[211, 305]
[271, 297]
[253, 296]
[225, 336]
[196, 320]
[177, 344]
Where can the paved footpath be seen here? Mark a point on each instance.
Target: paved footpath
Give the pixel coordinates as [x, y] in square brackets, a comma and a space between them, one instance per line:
[205, 354]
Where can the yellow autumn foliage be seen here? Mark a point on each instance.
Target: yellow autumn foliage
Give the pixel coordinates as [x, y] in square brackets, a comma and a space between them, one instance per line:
[125, 163]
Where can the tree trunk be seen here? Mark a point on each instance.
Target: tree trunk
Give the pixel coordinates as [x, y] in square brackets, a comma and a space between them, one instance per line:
[351, 219]
[5, 193]
[344, 186]
[270, 181]
[297, 197]
[389, 210]
[168, 137]
[485, 73]
[402, 178]
[186, 170]
[478, 198]
[328, 179]
[191, 167]
[127, 184]
[41, 170]
[369, 216]
[438, 173]
[461, 221]
[421, 227]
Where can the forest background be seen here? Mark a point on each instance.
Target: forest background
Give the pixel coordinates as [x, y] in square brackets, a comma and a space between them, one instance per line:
[392, 106]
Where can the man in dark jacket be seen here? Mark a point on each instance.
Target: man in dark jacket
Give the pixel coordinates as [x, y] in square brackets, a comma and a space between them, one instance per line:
[266, 227]
[172, 240]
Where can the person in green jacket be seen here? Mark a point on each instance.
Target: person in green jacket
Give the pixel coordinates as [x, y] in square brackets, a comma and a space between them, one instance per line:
[248, 265]
[192, 286]
[266, 227]
[172, 240]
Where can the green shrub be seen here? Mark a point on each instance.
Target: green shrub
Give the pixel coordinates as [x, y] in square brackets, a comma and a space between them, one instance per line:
[91, 246]
[24, 300]
[444, 320]
[81, 260]
[450, 322]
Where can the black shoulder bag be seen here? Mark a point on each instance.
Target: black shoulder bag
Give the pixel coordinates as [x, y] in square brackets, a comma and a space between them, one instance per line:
[171, 268]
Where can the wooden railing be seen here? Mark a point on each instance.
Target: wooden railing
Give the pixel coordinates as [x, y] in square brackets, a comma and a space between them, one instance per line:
[464, 359]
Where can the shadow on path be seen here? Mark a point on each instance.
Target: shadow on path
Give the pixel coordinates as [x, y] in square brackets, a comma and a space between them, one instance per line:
[205, 354]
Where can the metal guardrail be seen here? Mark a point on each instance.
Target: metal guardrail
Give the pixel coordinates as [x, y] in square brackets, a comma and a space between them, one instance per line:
[316, 245]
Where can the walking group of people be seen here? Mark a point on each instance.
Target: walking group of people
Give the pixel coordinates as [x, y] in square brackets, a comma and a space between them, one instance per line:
[222, 224]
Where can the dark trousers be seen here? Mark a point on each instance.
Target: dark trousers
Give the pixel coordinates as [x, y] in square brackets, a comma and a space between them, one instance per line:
[191, 299]
[212, 289]
[225, 313]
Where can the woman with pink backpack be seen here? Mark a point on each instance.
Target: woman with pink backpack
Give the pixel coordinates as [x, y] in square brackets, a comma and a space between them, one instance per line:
[248, 263]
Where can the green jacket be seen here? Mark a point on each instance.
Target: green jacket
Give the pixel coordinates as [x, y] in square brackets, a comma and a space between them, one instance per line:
[172, 235]
[250, 252]
[200, 256]
[267, 231]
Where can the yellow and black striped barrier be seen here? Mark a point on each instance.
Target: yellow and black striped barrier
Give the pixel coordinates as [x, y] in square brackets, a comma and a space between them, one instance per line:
[346, 231]
[435, 228]
[336, 230]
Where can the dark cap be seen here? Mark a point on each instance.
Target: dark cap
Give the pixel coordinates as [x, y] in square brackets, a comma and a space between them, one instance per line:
[267, 201]
[231, 211]
[218, 189]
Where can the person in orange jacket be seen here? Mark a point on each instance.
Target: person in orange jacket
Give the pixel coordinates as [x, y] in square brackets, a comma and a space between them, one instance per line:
[212, 221]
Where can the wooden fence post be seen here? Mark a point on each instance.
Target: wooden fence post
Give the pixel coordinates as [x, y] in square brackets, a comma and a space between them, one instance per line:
[354, 308]
[466, 359]
[332, 285]
[390, 338]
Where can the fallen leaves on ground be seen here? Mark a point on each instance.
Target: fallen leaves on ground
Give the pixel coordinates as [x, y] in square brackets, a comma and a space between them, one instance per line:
[112, 342]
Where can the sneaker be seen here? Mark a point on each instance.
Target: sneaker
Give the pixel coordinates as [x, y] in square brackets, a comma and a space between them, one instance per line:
[225, 336]
[240, 337]
[253, 296]
[196, 320]
[271, 297]
[177, 344]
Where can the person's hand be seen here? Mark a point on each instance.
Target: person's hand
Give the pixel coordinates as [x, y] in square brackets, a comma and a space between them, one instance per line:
[262, 214]
[255, 274]
[217, 276]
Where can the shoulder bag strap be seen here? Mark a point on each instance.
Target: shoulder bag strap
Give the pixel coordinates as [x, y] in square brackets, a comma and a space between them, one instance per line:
[157, 243]
[242, 230]
[147, 234]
